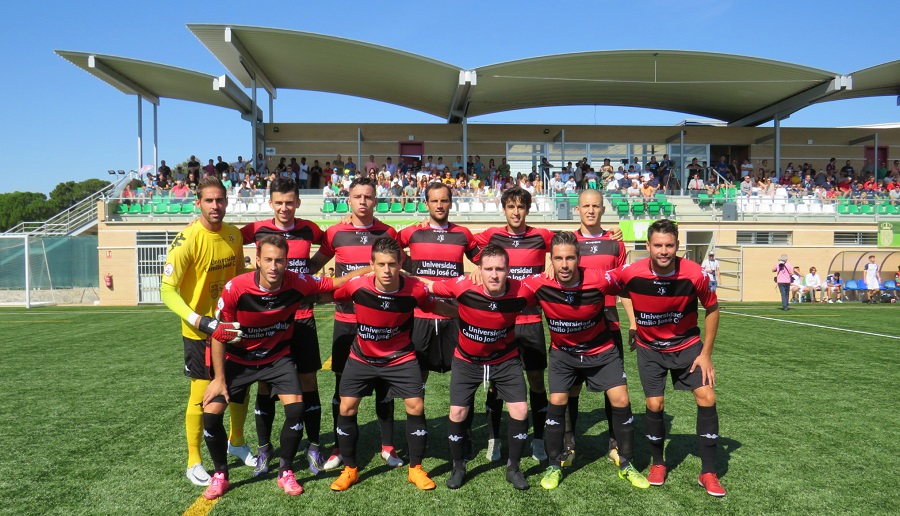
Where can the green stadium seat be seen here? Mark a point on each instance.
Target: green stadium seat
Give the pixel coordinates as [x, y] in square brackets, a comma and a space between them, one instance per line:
[843, 207]
[719, 198]
[173, 208]
[396, 207]
[638, 208]
[885, 208]
[661, 197]
[853, 209]
[731, 193]
[653, 208]
[382, 207]
[410, 207]
[423, 208]
[147, 209]
[135, 209]
[187, 208]
[703, 199]
[573, 199]
[122, 209]
[622, 208]
[867, 209]
[160, 208]
[196, 209]
[667, 208]
[328, 207]
[342, 207]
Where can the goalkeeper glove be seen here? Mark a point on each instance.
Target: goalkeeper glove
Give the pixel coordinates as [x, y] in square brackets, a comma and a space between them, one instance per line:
[225, 332]
[632, 339]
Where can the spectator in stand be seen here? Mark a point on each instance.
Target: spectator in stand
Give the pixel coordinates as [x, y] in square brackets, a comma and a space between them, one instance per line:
[397, 192]
[192, 182]
[570, 186]
[338, 164]
[556, 185]
[746, 168]
[746, 187]
[164, 171]
[410, 193]
[180, 193]
[390, 166]
[721, 168]
[226, 182]
[797, 285]
[504, 167]
[221, 166]
[193, 165]
[302, 174]
[831, 167]
[315, 175]
[382, 191]
[208, 170]
[607, 171]
[814, 284]
[331, 174]
[847, 170]
[372, 163]
[128, 195]
[647, 191]
[695, 184]
[653, 166]
[591, 180]
[637, 165]
[260, 162]
[835, 287]
[350, 165]
[239, 171]
[634, 191]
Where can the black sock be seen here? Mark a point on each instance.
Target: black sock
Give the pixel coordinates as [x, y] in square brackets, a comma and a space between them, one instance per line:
[336, 408]
[416, 438]
[265, 417]
[516, 434]
[216, 440]
[291, 434]
[556, 429]
[708, 433]
[384, 410]
[609, 417]
[347, 436]
[538, 412]
[312, 416]
[623, 422]
[656, 434]
[494, 407]
[571, 421]
[456, 435]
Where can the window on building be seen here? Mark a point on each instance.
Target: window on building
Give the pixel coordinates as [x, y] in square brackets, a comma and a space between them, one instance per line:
[764, 237]
[865, 238]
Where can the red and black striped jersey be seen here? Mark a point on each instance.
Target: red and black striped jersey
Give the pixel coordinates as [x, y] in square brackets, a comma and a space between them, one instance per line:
[575, 314]
[527, 256]
[665, 307]
[351, 247]
[266, 317]
[601, 253]
[300, 237]
[437, 253]
[486, 324]
[384, 319]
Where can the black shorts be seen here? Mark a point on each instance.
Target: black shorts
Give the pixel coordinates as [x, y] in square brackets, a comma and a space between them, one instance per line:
[341, 340]
[601, 372]
[305, 346]
[281, 375]
[506, 377]
[532, 346]
[435, 341]
[403, 380]
[196, 358]
[653, 367]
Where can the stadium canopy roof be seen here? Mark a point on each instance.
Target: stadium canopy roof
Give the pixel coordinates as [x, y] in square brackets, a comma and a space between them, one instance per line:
[152, 81]
[740, 90]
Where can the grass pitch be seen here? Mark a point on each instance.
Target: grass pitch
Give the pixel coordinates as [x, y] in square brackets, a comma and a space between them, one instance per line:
[92, 423]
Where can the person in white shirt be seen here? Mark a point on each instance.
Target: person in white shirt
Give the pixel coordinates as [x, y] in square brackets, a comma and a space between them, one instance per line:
[570, 186]
[873, 285]
[797, 285]
[814, 284]
[711, 266]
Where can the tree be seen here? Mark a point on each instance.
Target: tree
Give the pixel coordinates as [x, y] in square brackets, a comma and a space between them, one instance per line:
[19, 207]
[68, 193]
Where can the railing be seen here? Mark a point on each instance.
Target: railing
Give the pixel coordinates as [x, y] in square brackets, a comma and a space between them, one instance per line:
[81, 215]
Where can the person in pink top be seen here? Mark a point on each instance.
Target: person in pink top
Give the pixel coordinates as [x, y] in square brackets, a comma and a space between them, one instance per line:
[783, 278]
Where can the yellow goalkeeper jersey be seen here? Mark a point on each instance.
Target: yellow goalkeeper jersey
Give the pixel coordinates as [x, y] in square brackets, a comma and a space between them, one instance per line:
[199, 264]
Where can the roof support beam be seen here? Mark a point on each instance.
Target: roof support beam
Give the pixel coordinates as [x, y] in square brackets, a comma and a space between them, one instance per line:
[120, 81]
[249, 63]
[459, 106]
[785, 107]
[236, 95]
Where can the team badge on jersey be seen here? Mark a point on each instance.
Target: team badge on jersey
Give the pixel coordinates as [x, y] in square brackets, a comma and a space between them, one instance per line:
[493, 306]
[169, 269]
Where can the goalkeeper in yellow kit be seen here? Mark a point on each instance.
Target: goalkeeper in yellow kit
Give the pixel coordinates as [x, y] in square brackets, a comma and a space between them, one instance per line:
[201, 260]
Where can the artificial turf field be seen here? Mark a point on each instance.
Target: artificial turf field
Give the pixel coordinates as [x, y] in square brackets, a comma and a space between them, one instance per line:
[92, 423]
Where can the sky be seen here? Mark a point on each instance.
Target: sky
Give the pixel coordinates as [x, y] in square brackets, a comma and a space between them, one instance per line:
[60, 123]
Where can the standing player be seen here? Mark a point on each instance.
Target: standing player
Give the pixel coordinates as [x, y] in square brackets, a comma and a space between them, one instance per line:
[873, 284]
[264, 303]
[383, 351]
[436, 252]
[301, 235]
[581, 349]
[201, 260]
[487, 352]
[601, 250]
[351, 246]
[660, 295]
[527, 250]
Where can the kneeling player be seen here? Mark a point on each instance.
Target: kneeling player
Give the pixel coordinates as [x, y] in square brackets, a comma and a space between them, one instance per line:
[486, 352]
[382, 350]
[264, 303]
[581, 350]
[660, 294]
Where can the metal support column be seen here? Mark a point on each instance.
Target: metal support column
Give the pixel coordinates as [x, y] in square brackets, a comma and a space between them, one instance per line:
[465, 151]
[140, 120]
[778, 145]
[562, 138]
[271, 108]
[28, 270]
[155, 139]
[359, 150]
[254, 120]
[875, 158]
